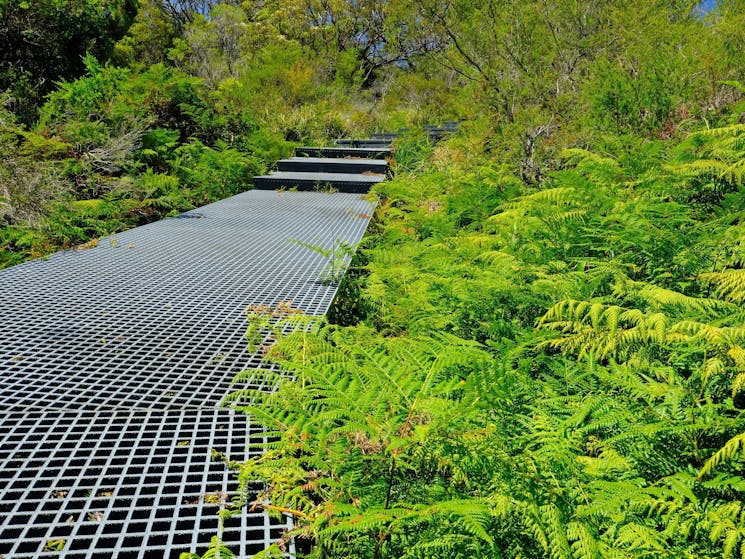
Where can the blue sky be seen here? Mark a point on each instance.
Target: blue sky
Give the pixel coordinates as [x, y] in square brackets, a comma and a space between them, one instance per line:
[708, 5]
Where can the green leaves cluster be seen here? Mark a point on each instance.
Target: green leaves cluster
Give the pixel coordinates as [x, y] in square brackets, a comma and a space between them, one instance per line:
[391, 408]
[118, 148]
[44, 41]
[550, 371]
[205, 93]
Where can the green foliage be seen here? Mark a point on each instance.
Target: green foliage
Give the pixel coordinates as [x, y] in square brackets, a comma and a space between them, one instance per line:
[712, 163]
[348, 307]
[88, 98]
[148, 38]
[157, 148]
[382, 404]
[544, 351]
[43, 42]
[348, 69]
[338, 257]
[214, 173]
[216, 550]
[551, 371]
[143, 144]
[640, 101]
[412, 149]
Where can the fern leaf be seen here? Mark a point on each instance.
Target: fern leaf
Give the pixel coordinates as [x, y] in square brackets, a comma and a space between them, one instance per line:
[737, 354]
[730, 284]
[738, 385]
[577, 156]
[584, 544]
[721, 131]
[641, 539]
[701, 167]
[729, 451]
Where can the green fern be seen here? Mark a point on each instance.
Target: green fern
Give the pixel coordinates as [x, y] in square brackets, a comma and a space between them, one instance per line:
[216, 550]
[733, 448]
[338, 257]
[729, 284]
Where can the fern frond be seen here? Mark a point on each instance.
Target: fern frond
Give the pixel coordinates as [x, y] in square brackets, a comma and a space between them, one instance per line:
[578, 156]
[738, 385]
[727, 336]
[733, 447]
[584, 543]
[737, 354]
[569, 216]
[641, 539]
[701, 167]
[217, 549]
[734, 173]
[730, 284]
[713, 366]
[557, 196]
[663, 297]
[732, 130]
[496, 258]
[558, 544]
[446, 545]
[602, 331]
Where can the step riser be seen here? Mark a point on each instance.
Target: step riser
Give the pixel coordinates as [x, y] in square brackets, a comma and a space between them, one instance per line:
[368, 146]
[365, 142]
[268, 183]
[370, 153]
[335, 167]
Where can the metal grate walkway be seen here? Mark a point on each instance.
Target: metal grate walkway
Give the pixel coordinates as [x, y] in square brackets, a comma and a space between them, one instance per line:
[113, 361]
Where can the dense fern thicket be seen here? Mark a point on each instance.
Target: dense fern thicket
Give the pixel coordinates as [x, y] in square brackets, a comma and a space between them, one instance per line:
[553, 370]
[539, 350]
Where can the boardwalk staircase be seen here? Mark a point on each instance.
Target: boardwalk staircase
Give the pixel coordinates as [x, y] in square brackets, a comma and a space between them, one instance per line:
[351, 165]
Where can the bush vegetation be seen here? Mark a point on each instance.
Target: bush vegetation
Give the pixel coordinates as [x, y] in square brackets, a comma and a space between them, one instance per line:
[538, 350]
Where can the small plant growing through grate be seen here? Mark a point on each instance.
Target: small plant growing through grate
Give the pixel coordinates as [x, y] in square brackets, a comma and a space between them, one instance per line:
[325, 187]
[264, 319]
[216, 549]
[338, 259]
[95, 516]
[265, 325]
[54, 545]
[219, 498]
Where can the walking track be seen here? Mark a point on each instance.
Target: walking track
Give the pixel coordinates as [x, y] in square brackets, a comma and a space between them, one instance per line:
[113, 362]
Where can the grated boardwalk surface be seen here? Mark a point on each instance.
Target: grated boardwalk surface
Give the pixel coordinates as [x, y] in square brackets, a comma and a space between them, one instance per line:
[113, 361]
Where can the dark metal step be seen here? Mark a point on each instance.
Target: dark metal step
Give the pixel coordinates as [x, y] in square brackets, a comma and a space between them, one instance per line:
[333, 165]
[364, 153]
[342, 182]
[363, 142]
[436, 133]
[364, 145]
